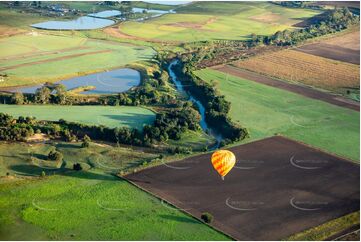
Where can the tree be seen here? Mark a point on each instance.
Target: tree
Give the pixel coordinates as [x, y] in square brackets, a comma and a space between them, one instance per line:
[42, 95]
[77, 167]
[207, 217]
[86, 141]
[17, 98]
[60, 91]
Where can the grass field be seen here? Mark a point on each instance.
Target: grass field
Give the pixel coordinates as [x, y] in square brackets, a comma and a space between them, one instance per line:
[87, 205]
[38, 58]
[295, 66]
[12, 22]
[110, 116]
[211, 21]
[266, 111]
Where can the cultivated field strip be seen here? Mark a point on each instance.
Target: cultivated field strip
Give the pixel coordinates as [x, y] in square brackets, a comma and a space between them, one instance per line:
[302, 90]
[295, 66]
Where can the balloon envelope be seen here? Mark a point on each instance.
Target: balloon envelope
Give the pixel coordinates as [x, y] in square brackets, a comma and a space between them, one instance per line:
[223, 161]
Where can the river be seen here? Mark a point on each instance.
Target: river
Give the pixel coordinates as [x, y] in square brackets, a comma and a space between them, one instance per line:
[201, 108]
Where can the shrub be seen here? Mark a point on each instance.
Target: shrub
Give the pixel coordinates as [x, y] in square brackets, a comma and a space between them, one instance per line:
[77, 167]
[207, 217]
[43, 174]
[55, 155]
[86, 141]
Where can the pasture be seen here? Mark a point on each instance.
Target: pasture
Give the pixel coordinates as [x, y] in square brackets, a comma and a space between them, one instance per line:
[85, 205]
[13, 22]
[217, 20]
[269, 195]
[109, 116]
[298, 67]
[266, 111]
[36, 57]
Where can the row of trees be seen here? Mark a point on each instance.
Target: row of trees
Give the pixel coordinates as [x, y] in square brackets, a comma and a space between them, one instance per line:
[169, 124]
[335, 20]
[209, 53]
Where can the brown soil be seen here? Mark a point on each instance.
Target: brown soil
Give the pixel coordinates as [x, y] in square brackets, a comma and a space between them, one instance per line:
[192, 25]
[266, 18]
[53, 59]
[117, 33]
[38, 138]
[278, 187]
[301, 90]
[332, 52]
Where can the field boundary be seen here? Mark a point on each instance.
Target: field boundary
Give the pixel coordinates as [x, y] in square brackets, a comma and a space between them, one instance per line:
[318, 149]
[178, 208]
[54, 59]
[156, 186]
[297, 89]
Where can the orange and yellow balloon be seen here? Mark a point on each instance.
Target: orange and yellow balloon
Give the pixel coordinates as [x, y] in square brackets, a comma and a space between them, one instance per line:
[223, 161]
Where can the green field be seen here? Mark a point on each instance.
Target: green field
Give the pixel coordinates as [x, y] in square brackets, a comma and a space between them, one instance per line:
[218, 20]
[86, 205]
[266, 111]
[110, 116]
[37, 58]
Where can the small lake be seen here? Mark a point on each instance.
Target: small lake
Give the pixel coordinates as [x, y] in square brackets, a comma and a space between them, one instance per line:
[115, 81]
[105, 14]
[82, 23]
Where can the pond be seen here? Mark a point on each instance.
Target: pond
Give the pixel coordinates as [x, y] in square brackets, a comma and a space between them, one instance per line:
[115, 81]
[105, 14]
[82, 23]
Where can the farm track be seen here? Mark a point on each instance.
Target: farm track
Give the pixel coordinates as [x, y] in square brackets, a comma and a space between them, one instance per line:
[54, 59]
[332, 52]
[301, 90]
[277, 184]
[36, 54]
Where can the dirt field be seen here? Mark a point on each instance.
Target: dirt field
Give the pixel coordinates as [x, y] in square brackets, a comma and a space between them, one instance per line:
[301, 90]
[332, 52]
[269, 195]
[308, 69]
[344, 47]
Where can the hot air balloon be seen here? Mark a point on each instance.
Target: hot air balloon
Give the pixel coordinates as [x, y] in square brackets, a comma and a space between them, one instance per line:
[223, 161]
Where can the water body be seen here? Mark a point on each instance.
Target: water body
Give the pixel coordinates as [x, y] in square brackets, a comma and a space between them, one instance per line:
[169, 2]
[200, 106]
[155, 11]
[105, 14]
[110, 82]
[82, 23]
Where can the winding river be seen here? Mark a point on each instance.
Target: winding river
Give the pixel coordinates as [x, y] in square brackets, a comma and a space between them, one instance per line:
[200, 106]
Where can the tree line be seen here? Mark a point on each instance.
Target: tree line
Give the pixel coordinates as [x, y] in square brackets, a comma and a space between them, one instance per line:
[168, 124]
[213, 52]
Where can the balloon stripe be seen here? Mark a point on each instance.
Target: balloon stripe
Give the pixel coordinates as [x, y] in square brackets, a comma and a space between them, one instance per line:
[217, 162]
